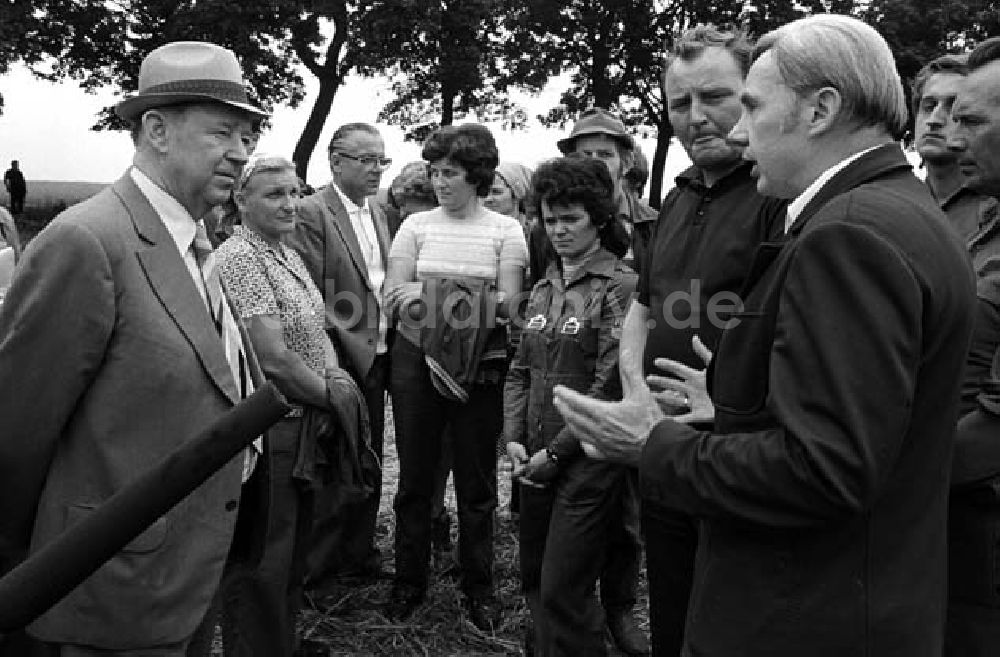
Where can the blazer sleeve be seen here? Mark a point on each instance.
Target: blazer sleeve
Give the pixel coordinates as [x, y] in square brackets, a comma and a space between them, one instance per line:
[841, 388]
[54, 328]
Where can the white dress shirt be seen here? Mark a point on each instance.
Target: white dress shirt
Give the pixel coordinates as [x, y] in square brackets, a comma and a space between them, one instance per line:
[178, 221]
[364, 230]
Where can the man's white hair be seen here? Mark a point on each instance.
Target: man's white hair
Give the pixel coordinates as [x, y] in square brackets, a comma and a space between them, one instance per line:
[829, 50]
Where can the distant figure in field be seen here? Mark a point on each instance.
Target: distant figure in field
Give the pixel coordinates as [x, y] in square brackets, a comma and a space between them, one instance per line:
[13, 180]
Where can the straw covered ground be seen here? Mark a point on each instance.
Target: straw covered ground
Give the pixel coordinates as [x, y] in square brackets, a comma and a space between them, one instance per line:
[351, 622]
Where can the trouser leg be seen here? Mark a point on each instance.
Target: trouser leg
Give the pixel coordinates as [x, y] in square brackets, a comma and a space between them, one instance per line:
[620, 578]
[420, 416]
[671, 542]
[534, 516]
[476, 425]
[261, 597]
[588, 496]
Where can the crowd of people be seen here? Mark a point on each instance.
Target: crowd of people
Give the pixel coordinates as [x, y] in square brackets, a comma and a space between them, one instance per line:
[782, 388]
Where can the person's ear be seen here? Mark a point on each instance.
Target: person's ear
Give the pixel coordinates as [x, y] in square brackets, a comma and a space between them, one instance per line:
[628, 160]
[825, 106]
[156, 128]
[240, 199]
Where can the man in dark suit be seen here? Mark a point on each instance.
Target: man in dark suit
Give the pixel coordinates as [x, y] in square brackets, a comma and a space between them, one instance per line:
[344, 241]
[115, 348]
[823, 486]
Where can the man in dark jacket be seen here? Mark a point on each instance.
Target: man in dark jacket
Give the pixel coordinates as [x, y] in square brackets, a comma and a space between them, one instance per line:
[974, 602]
[823, 486]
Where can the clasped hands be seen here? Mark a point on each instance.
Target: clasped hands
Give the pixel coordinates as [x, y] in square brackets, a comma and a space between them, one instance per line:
[618, 431]
[534, 471]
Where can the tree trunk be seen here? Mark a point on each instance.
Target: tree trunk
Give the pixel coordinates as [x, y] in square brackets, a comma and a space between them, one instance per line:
[599, 75]
[447, 106]
[328, 86]
[663, 135]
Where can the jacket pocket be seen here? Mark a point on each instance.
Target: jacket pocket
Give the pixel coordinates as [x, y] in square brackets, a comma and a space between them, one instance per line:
[741, 386]
[149, 540]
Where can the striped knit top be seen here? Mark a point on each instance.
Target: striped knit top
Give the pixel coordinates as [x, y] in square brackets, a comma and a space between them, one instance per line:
[474, 247]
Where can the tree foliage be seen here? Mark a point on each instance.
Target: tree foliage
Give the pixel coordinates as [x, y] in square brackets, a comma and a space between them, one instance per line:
[101, 43]
[445, 60]
[18, 35]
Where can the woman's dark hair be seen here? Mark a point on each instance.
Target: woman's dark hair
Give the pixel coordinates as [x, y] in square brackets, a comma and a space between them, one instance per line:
[471, 146]
[577, 179]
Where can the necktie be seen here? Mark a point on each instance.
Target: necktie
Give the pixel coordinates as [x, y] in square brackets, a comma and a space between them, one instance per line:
[225, 324]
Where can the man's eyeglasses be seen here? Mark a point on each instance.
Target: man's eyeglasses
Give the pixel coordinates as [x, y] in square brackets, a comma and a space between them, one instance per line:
[369, 161]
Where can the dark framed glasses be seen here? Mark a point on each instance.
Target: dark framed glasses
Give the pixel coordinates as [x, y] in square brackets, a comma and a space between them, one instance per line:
[369, 161]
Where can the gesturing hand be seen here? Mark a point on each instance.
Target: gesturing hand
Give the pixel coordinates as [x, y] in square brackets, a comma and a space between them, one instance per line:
[613, 431]
[684, 394]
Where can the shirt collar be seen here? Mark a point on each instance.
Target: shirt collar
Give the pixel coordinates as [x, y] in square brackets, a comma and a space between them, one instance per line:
[601, 263]
[796, 207]
[943, 203]
[693, 176]
[349, 205]
[178, 221]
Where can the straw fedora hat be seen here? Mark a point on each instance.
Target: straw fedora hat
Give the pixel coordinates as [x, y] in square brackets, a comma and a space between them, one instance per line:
[185, 72]
[596, 121]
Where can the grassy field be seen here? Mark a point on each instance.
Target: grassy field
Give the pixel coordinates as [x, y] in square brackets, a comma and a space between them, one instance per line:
[46, 199]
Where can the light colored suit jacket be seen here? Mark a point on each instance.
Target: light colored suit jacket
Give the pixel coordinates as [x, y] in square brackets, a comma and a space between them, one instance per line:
[325, 239]
[108, 362]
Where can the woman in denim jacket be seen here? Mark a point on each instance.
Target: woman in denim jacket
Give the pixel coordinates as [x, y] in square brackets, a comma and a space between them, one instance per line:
[571, 330]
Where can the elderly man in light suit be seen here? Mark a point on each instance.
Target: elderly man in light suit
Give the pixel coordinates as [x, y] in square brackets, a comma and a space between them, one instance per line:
[116, 346]
[343, 239]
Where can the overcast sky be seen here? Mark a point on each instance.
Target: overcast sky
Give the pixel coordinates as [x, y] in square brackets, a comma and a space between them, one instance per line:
[47, 127]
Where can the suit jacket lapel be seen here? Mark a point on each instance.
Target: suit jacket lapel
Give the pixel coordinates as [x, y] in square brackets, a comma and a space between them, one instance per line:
[342, 224]
[172, 284]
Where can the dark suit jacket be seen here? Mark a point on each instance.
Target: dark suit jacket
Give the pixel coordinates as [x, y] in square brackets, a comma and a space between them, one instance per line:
[325, 239]
[823, 489]
[109, 361]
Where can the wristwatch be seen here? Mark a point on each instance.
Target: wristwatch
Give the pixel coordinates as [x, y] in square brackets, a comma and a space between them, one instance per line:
[552, 456]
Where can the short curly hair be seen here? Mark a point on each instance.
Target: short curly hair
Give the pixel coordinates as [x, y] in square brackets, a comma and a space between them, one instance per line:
[472, 147]
[576, 179]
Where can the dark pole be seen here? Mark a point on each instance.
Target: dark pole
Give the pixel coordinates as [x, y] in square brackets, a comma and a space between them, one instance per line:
[47, 576]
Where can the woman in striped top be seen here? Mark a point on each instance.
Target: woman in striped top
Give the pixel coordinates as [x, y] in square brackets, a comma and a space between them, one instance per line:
[460, 239]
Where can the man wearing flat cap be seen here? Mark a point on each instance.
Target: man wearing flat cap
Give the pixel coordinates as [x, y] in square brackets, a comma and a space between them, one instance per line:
[117, 345]
[602, 135]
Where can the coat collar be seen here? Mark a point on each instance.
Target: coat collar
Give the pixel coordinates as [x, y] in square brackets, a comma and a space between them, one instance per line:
[172, 284]
[874, 164]
[345, 229]
[602, 263]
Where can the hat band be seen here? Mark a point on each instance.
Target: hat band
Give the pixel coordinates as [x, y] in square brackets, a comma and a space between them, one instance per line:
[224, 90]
